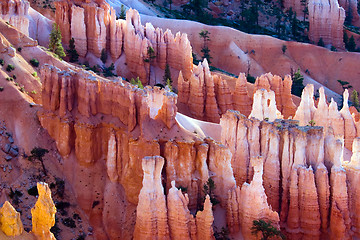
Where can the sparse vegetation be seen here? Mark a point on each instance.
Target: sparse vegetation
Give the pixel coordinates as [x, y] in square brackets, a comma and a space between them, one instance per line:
[222, 235]
[205, 35]
[167, 77]
[1, 89]
[19, 49]
[55, 44]
[267, 230]
[312, 123]
[344, 84]
[321, 43]
[108, 71]
[38, 153]
[2, 62]
[10, 68]
[297, 86]
[103, 56]
[208, 189]
[73, 54]
[137, 82]
[122, 14]
[354, 98]
[34, 62]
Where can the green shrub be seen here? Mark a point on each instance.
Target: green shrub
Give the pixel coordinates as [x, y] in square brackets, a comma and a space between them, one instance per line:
[2, 62]
[19, 49]
[34, 74]
[34, 62]
[1, 89]
[10, 67]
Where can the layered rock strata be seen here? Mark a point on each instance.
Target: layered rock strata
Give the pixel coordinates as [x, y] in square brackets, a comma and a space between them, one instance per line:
[294, 183]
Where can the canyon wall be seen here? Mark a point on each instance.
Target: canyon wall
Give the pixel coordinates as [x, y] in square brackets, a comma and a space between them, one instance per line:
[106, 126]
[326, 20]
[300, 176]
[16, 13]
[95, 28]
[206, 96]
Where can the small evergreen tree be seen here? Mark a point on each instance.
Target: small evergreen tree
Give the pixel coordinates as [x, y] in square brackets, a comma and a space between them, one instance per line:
[74, 56]
[351, 44]
[137, 82]
[354, 98]
[267, 230]
[297, 83]
[167, 75]
[305, 10]
[122, 14]
[344, 84]
[204, 34]
[55, 45]
[321, 43]
[103, 56]
[38, 153]
[346, 40]
[283, 48]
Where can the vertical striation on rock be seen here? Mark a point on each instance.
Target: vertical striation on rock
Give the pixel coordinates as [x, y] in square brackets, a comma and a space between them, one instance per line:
[151, 212]
[43, 213]
[326, 20]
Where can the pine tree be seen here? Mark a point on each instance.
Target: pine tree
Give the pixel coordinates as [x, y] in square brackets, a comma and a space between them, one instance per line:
[103, 56]
[74, 56]
[122, 14]
[321, 43]
[267, 230]
[351, 45]
[204, 34]
[297, 83]
[167, 75]
[55, 45]
[354, 98]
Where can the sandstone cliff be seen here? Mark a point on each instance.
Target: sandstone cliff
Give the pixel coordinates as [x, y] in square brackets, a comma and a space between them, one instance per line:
[326, 19]
[293, 179]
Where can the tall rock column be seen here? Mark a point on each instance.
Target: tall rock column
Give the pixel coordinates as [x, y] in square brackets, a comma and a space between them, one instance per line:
[151, 212]
[253, 201]
[43, 213]
[180, 220]
[326, 20]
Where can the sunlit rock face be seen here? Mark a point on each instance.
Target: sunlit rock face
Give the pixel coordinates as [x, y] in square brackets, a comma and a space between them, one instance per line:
[43, 213]
[16, 13]
[326, 19]
[10, 220]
